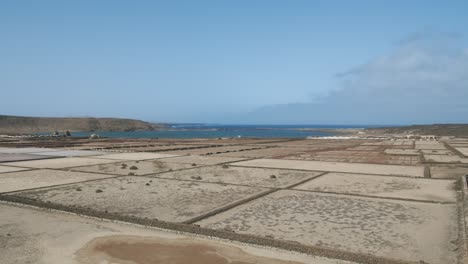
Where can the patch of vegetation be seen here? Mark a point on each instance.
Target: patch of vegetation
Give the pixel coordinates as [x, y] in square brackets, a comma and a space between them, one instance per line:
[133, 167]
[159, 164]
[99, 191]
[102, 167]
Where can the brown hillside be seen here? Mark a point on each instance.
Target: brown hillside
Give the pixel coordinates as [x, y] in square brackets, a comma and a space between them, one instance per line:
[25, 125]
[457, 130]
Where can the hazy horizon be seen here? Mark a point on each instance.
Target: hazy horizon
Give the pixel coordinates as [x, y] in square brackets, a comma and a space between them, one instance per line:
[242, 62]
[246, 124]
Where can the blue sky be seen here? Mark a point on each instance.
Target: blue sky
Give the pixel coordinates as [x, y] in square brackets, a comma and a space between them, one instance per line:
[281, 62]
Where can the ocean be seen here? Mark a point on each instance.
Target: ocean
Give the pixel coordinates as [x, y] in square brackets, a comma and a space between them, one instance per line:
[226, 131]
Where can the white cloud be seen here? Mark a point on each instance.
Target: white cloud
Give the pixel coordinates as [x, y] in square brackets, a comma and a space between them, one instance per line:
[424, 80]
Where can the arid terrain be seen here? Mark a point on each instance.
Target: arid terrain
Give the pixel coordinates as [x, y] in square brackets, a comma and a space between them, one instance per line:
[363, 199]
[457, 130]
[28, 125]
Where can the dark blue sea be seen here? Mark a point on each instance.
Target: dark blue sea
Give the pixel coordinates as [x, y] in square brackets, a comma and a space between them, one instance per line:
[226, 131]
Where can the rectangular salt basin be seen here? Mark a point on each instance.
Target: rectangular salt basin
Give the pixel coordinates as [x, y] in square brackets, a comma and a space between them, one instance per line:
[4, 169]
[257, 177]
[60, 163]
[429, 146]
[202, 160]
[10, 157]
[54, 237]
[140, 196]
[383, 186]
[413, 171]
[444, 159]
[24, 150]
[15, 181]
[401, 151]
[409, 231]
[463, 151]
[448, 172]
[70, 153]
[136, 156]
[136, 167]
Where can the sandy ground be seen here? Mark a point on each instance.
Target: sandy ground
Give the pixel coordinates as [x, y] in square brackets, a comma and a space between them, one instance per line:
[24, 150]
[139, 196]
[268, 152]
[463, 151]
[429, 145]
[436, 152]
[448, 172]
[6, 157]
[136, 167]
[70, 153]
[362, 210]
[29, 235]
[203, 160]
[10, 169]
[159, 148]
[60, 163]
[387, 228]
[135, 156]
[444, 159]
[16, 181]
[216, 150]
[383, 186]
[398, 142]
[413, 171]
[244, 176]
[401, 151]
[357, 156]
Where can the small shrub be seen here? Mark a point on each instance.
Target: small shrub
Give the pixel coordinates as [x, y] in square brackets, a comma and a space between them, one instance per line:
[196, 177]
[131, 174]
[272, 176]
[133, 168]
[78, 189]
[99, 191]
[158, 164]
[228, 229]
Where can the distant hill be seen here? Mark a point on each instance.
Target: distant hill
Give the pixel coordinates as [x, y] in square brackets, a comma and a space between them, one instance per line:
[26, 125]
[458, 130]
